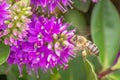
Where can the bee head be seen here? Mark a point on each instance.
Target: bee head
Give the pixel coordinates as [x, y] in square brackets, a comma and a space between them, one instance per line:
[74, 39]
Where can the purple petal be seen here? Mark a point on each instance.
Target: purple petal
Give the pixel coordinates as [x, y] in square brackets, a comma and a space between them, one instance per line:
[32, 39]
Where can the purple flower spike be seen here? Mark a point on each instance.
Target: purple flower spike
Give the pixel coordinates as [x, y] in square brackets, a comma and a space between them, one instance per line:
[3, 12]
[17, 24]
[48, 46]
[3, 15]
[51, 5]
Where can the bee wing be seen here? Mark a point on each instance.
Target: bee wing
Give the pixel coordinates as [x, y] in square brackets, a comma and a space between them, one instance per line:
[88, 51]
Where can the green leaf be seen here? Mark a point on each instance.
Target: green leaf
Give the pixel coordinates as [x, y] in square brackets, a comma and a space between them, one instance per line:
[78, 70]
[77, 20]
[13, 74]
[90, 74]
[94, 60]
[65, 74]
[105, 28]
[116, 66]
[44, 76]
[3, 68]
[115, 75]
[4, 52]
[81, 5]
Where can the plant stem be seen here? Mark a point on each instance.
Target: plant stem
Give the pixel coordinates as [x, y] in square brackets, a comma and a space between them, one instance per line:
[104, 73]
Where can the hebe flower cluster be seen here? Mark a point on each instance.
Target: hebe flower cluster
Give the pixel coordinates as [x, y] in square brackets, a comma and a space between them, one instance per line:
[17, 24]
[48, 45]
[39, 42]
[51, 5]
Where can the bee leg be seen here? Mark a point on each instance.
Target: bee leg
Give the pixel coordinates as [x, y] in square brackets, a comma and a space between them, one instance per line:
[84, 55]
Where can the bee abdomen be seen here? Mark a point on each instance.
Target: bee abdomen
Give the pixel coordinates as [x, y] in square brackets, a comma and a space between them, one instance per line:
[92, 48]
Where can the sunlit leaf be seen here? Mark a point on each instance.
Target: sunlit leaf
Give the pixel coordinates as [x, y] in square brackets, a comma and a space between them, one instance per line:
[94, 61]
[105, 28]
[90, 74]
[117, 65]
[115, 75]
[4, 52]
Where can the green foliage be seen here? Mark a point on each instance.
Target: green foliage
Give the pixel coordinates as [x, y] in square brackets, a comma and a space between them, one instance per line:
[117, 65]
[77, 19]
[90, 71]
[79, 70]
[115, 75]
[105, 27]
[82, 6]
[95, 61]
[4, 52]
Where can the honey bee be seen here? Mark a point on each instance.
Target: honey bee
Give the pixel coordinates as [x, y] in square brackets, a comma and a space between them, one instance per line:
[82, 44]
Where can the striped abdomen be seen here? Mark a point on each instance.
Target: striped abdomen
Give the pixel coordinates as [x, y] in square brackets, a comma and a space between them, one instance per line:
[92, 48]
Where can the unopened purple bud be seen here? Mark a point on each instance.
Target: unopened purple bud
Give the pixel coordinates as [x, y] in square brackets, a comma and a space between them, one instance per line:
[50, 46]
[10, 25]
[57, 45]
[15, 17]
[55, 36]
[15, 32]
[6, 41]
[18, 25]
[5, 32]
[20, 35]
[11, 39]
